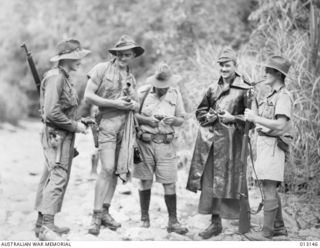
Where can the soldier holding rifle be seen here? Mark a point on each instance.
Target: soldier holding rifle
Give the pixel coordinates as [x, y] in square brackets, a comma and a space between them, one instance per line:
[273, 121]
[59, 103]
[216, 166]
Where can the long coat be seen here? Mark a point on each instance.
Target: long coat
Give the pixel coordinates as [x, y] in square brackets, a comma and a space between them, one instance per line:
[226, 140]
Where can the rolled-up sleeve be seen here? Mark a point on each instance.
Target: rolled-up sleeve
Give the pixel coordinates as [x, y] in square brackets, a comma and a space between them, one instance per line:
[284, 106]
[52, 107]
[96, 73]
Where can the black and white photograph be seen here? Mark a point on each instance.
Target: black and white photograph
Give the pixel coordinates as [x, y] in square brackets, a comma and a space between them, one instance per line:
[160, 120]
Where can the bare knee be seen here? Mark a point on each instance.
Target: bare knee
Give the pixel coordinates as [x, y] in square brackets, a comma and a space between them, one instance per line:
[107, 163]
[107, 172]
[146, 184]
[270, 189]
[170, 188]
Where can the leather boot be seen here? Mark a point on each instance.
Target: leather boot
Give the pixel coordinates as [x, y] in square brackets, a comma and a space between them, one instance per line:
[279, 227]
[48, 222]
[107, 220]
[214, 229]
[38, 224]
[94, 228]
[144, 196]
[173, 224]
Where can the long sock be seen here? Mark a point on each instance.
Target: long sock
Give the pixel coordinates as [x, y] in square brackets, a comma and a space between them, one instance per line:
[171, 202]
[215, 218]
[279, 218]
[270, 211]
[144, 196]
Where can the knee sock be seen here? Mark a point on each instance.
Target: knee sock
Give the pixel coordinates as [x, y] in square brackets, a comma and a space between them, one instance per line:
[171, 202]
[144, 196]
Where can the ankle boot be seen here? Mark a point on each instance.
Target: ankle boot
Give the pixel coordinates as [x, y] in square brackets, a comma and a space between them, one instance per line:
[214, 229]
[173, 224]
[94, 228]
[270, 211]
[279, 227]
[107, 220]
[38, 224]
[144, 196]
[48, 221]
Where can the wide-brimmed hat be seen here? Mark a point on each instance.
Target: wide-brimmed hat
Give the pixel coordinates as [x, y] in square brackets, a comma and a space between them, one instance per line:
[279, 63]
[69, 49]
[126, 43]
[227, 54]
[163, 78]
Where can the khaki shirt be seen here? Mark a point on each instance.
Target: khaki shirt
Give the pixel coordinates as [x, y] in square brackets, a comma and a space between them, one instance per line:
[170, 104]
[58, 100]
[278, 103]
[111, 85]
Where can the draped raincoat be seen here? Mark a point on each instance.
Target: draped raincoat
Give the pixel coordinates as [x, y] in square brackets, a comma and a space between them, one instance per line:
[223, 140]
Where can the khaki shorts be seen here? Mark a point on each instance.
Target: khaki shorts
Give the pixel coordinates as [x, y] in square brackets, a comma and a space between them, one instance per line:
[158, 159]
[111, 131]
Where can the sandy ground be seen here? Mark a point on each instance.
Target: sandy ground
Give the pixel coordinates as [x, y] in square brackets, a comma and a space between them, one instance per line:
[21, 164]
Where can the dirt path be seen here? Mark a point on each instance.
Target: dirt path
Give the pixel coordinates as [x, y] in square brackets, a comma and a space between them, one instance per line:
[21, 164]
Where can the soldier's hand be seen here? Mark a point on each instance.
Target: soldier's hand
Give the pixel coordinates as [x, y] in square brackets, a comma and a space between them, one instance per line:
[152, 122]
[211, 117]
[249, 115]
[169, 120]
[135, 105]
[123, 104]
[81, 128]
[226, 117]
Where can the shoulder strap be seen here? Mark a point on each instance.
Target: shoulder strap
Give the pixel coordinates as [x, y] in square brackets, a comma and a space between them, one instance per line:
[144, 98]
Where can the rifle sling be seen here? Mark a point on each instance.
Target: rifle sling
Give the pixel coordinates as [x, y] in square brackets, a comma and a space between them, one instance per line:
[259, 182]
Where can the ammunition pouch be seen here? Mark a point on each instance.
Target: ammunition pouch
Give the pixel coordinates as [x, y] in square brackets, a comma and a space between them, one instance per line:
[156, 138]
[283, 142]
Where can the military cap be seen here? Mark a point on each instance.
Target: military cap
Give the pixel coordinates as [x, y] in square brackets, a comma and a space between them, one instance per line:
[227, 54]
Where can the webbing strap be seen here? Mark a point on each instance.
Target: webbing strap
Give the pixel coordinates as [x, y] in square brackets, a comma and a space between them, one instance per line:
[259, 182]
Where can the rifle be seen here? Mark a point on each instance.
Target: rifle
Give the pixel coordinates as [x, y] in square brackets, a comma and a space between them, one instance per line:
[37, 81]
[33, 68]
[244, 218]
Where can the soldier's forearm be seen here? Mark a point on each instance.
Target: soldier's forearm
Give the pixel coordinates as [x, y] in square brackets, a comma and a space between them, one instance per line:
[92, 98]
[277, 125]
[142, 119]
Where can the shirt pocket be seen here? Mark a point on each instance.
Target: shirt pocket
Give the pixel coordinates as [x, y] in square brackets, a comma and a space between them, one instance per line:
[111, 88]
[266, 109]
[172, 100]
